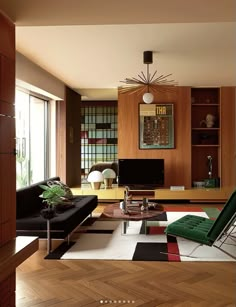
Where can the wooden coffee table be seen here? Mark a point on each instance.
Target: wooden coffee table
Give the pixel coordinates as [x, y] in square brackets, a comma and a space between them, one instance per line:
[134, 214]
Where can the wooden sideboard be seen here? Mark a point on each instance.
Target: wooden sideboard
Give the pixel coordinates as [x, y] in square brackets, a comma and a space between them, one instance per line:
[191, 195]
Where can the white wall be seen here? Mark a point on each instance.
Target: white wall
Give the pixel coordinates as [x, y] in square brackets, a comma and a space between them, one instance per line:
[31, 76]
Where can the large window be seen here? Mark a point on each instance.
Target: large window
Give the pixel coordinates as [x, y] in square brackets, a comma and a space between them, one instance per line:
[31, 138]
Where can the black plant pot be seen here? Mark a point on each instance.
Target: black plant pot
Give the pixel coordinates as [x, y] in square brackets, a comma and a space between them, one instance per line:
[48, 213]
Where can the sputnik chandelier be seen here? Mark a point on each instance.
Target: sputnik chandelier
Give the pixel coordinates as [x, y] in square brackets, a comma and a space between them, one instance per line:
[149, 83]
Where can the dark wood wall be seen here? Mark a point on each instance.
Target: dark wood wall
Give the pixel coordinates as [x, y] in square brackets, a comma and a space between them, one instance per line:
[7, 145]
[228, 137]
[178, 159]
[68, 138]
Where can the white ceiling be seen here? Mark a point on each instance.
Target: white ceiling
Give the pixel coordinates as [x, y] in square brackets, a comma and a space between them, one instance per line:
[93, 45]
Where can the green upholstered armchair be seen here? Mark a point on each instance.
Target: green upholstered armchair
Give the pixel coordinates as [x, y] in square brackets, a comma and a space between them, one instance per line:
[208, 232]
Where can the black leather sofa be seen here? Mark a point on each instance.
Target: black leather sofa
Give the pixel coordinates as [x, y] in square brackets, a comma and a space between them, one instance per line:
[29, 222]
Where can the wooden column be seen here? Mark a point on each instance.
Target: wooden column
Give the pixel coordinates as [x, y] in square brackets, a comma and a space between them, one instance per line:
[68, 138]
[7, 146]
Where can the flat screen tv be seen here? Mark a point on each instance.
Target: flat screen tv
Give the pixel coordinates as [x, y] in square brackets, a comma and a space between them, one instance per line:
[141, 173]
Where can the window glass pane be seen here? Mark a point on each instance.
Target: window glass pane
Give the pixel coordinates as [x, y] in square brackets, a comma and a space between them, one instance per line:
[31, 139]
[22, 139]
[37, 139]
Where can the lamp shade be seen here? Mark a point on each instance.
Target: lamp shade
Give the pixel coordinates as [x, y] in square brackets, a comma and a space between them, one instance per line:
[95, 176]
[148, 97]
[109, 173]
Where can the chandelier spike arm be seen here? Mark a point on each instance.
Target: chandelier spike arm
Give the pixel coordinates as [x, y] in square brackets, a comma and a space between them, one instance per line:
[143, 77]
[131, 81]
[132, 90]
[138, 90]
[138, 81]
[148, 82]
[160, 78]
[153, 75]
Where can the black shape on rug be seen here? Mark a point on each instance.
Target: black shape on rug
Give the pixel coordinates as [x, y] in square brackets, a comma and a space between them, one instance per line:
[161, 217]
[59, 251]
[96, 231]
[150, 252]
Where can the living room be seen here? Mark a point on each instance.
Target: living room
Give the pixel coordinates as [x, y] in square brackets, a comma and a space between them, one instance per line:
[128, 146]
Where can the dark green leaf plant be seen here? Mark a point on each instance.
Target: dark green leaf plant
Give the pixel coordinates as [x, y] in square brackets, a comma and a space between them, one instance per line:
[52, 195]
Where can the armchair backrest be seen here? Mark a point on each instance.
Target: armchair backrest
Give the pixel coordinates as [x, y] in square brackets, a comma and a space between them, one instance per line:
[224, 219]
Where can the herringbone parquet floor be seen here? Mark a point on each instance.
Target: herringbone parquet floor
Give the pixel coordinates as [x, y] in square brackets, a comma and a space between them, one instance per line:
[92, 283]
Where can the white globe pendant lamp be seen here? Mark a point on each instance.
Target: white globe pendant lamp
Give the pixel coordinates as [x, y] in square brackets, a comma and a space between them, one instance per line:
[148, 98]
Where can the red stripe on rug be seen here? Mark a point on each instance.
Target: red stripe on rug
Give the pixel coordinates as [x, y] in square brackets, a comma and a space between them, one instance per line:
[173, 248]
[156, 230]
[182, 209]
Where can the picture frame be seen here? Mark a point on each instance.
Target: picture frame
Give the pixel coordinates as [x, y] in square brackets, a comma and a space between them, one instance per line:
[156, 126]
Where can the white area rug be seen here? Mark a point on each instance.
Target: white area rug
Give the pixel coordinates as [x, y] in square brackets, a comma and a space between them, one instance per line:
[103, 239]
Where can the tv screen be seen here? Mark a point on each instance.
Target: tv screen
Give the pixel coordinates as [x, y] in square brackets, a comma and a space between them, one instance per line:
[141, 172]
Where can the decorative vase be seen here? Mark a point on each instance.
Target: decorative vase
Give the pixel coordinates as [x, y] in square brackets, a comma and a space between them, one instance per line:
[48, 213]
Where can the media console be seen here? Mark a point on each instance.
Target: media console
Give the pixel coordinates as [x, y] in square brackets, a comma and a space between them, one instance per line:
[192, 195]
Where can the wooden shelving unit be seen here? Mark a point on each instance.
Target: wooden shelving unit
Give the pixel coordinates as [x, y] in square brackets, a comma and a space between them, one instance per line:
[205, 135]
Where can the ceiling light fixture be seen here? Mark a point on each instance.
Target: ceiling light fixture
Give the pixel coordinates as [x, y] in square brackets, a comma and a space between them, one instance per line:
[149, 83]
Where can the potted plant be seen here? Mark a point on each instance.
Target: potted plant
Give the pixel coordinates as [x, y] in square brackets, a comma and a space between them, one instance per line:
[52, 195]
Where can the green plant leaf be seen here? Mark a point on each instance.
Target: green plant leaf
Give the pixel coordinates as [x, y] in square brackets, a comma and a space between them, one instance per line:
[52, 195]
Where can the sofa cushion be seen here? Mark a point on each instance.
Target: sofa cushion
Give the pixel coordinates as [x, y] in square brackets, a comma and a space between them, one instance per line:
[28, 201]
[68, 192]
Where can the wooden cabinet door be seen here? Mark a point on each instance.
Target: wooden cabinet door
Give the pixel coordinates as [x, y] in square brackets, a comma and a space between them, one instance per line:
[7, 198]
[7, 77]
[7, 134]
[7, 177]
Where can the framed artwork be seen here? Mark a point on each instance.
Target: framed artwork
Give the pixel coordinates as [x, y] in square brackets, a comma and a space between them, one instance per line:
[156, 126]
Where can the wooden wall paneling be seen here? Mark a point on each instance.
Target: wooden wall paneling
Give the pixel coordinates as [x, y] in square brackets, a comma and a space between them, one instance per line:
[7, 134]
[7, 290]
[68, 138]
[7, 108]
[7, 145]
[178, 159]
[128, 126]
[73, 145]
[182, 153]
[7, 179]
[7, 198]
[7, 37]
[228, 132]
[7, 76]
